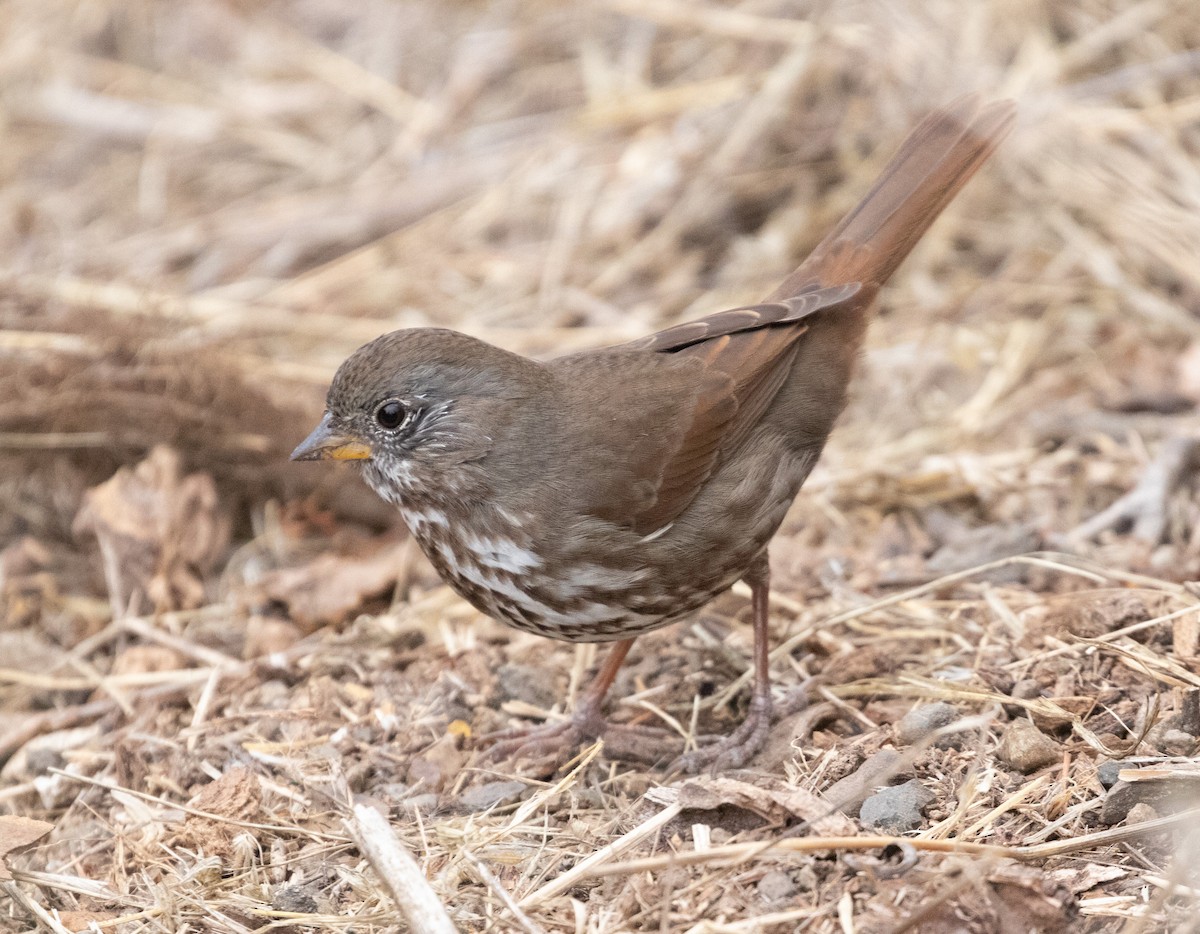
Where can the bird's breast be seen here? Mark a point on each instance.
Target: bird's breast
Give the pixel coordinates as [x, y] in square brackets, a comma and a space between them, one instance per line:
[497, 563]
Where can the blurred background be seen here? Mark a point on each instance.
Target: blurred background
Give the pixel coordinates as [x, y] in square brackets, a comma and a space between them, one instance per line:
[205, 206]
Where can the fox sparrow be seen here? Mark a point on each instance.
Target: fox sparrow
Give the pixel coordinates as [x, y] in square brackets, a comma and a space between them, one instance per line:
[597, 496]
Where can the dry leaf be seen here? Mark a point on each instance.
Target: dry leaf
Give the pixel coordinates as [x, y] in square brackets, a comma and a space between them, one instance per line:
[160, 532]
[438, 764]
[1032, 899]
[236, 795]
[16, 833]
[770, 797]
[1079, 879]
[79, 919]
[331, 588]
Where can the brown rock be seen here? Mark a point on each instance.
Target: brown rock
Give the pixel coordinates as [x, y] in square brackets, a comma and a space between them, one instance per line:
[266, 636]
[1026, 748]
[1140, 813]
[437, 765]
[877, 771]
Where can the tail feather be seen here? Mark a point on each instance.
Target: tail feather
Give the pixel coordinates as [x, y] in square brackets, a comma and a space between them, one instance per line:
[933, 163]
[785, 364]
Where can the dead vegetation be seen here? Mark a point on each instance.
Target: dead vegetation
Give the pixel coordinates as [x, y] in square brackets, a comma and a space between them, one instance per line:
[215, 667]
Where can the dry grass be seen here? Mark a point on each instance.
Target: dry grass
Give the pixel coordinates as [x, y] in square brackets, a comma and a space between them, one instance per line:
[206, 205]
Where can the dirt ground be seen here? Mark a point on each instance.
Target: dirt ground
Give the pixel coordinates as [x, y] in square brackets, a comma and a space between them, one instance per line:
[219, 669]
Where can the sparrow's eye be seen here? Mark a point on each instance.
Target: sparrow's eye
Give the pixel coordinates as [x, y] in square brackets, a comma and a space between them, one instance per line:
[391, 415]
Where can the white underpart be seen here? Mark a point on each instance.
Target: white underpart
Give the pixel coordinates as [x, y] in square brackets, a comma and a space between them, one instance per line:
[417, 519]
[402, 475]
[592, 613]
[496, 585]
[594, 577]
[588, 613]
[501, 553]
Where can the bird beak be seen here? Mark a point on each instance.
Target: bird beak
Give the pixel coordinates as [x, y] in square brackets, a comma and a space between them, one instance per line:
[327, 443]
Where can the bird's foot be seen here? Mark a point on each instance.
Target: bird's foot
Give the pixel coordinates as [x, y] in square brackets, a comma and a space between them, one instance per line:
[645, 745]
[549, 741]
[736, 749]
[557, 741]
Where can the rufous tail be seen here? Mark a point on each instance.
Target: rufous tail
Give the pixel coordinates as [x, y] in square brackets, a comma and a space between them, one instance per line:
[933, 163]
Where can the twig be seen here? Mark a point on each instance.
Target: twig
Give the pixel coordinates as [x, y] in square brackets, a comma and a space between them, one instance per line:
[17, 894]
[489, 879]
[734, 853]
[399, 871]
[590, 866]
[1145, 506]
[197, 812]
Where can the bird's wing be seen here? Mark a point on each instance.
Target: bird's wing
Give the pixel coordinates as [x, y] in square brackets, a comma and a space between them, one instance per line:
[745, 355]
[791, 310]
[724, 370]
[668, 416]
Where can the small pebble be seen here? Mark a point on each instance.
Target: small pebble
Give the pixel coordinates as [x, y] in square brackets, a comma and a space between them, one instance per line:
[1140, 813]
[1109, 773]
[1176, 743]
[776, 886]
[1026, 689]
[897, 809]
[1163, 797]
[921, 721]
[295, 899]
[1119, 801]
[425, 804]
[491, 795]
[847, 794]
[527, 683]
[1026, 748]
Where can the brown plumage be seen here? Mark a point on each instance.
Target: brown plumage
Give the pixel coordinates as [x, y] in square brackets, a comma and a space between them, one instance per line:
[601, 495]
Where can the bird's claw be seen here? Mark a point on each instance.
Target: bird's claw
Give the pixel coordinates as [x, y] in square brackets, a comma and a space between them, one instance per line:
[732, 751]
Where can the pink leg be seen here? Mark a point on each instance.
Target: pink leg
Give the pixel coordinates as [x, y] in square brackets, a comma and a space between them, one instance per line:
[586, 721]
[736, 749]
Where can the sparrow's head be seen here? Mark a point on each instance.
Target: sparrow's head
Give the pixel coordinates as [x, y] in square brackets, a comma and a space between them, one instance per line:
[411, 406]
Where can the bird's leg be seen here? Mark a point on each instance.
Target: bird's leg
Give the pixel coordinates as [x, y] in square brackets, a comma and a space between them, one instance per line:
[586, 721]
[738, 747]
